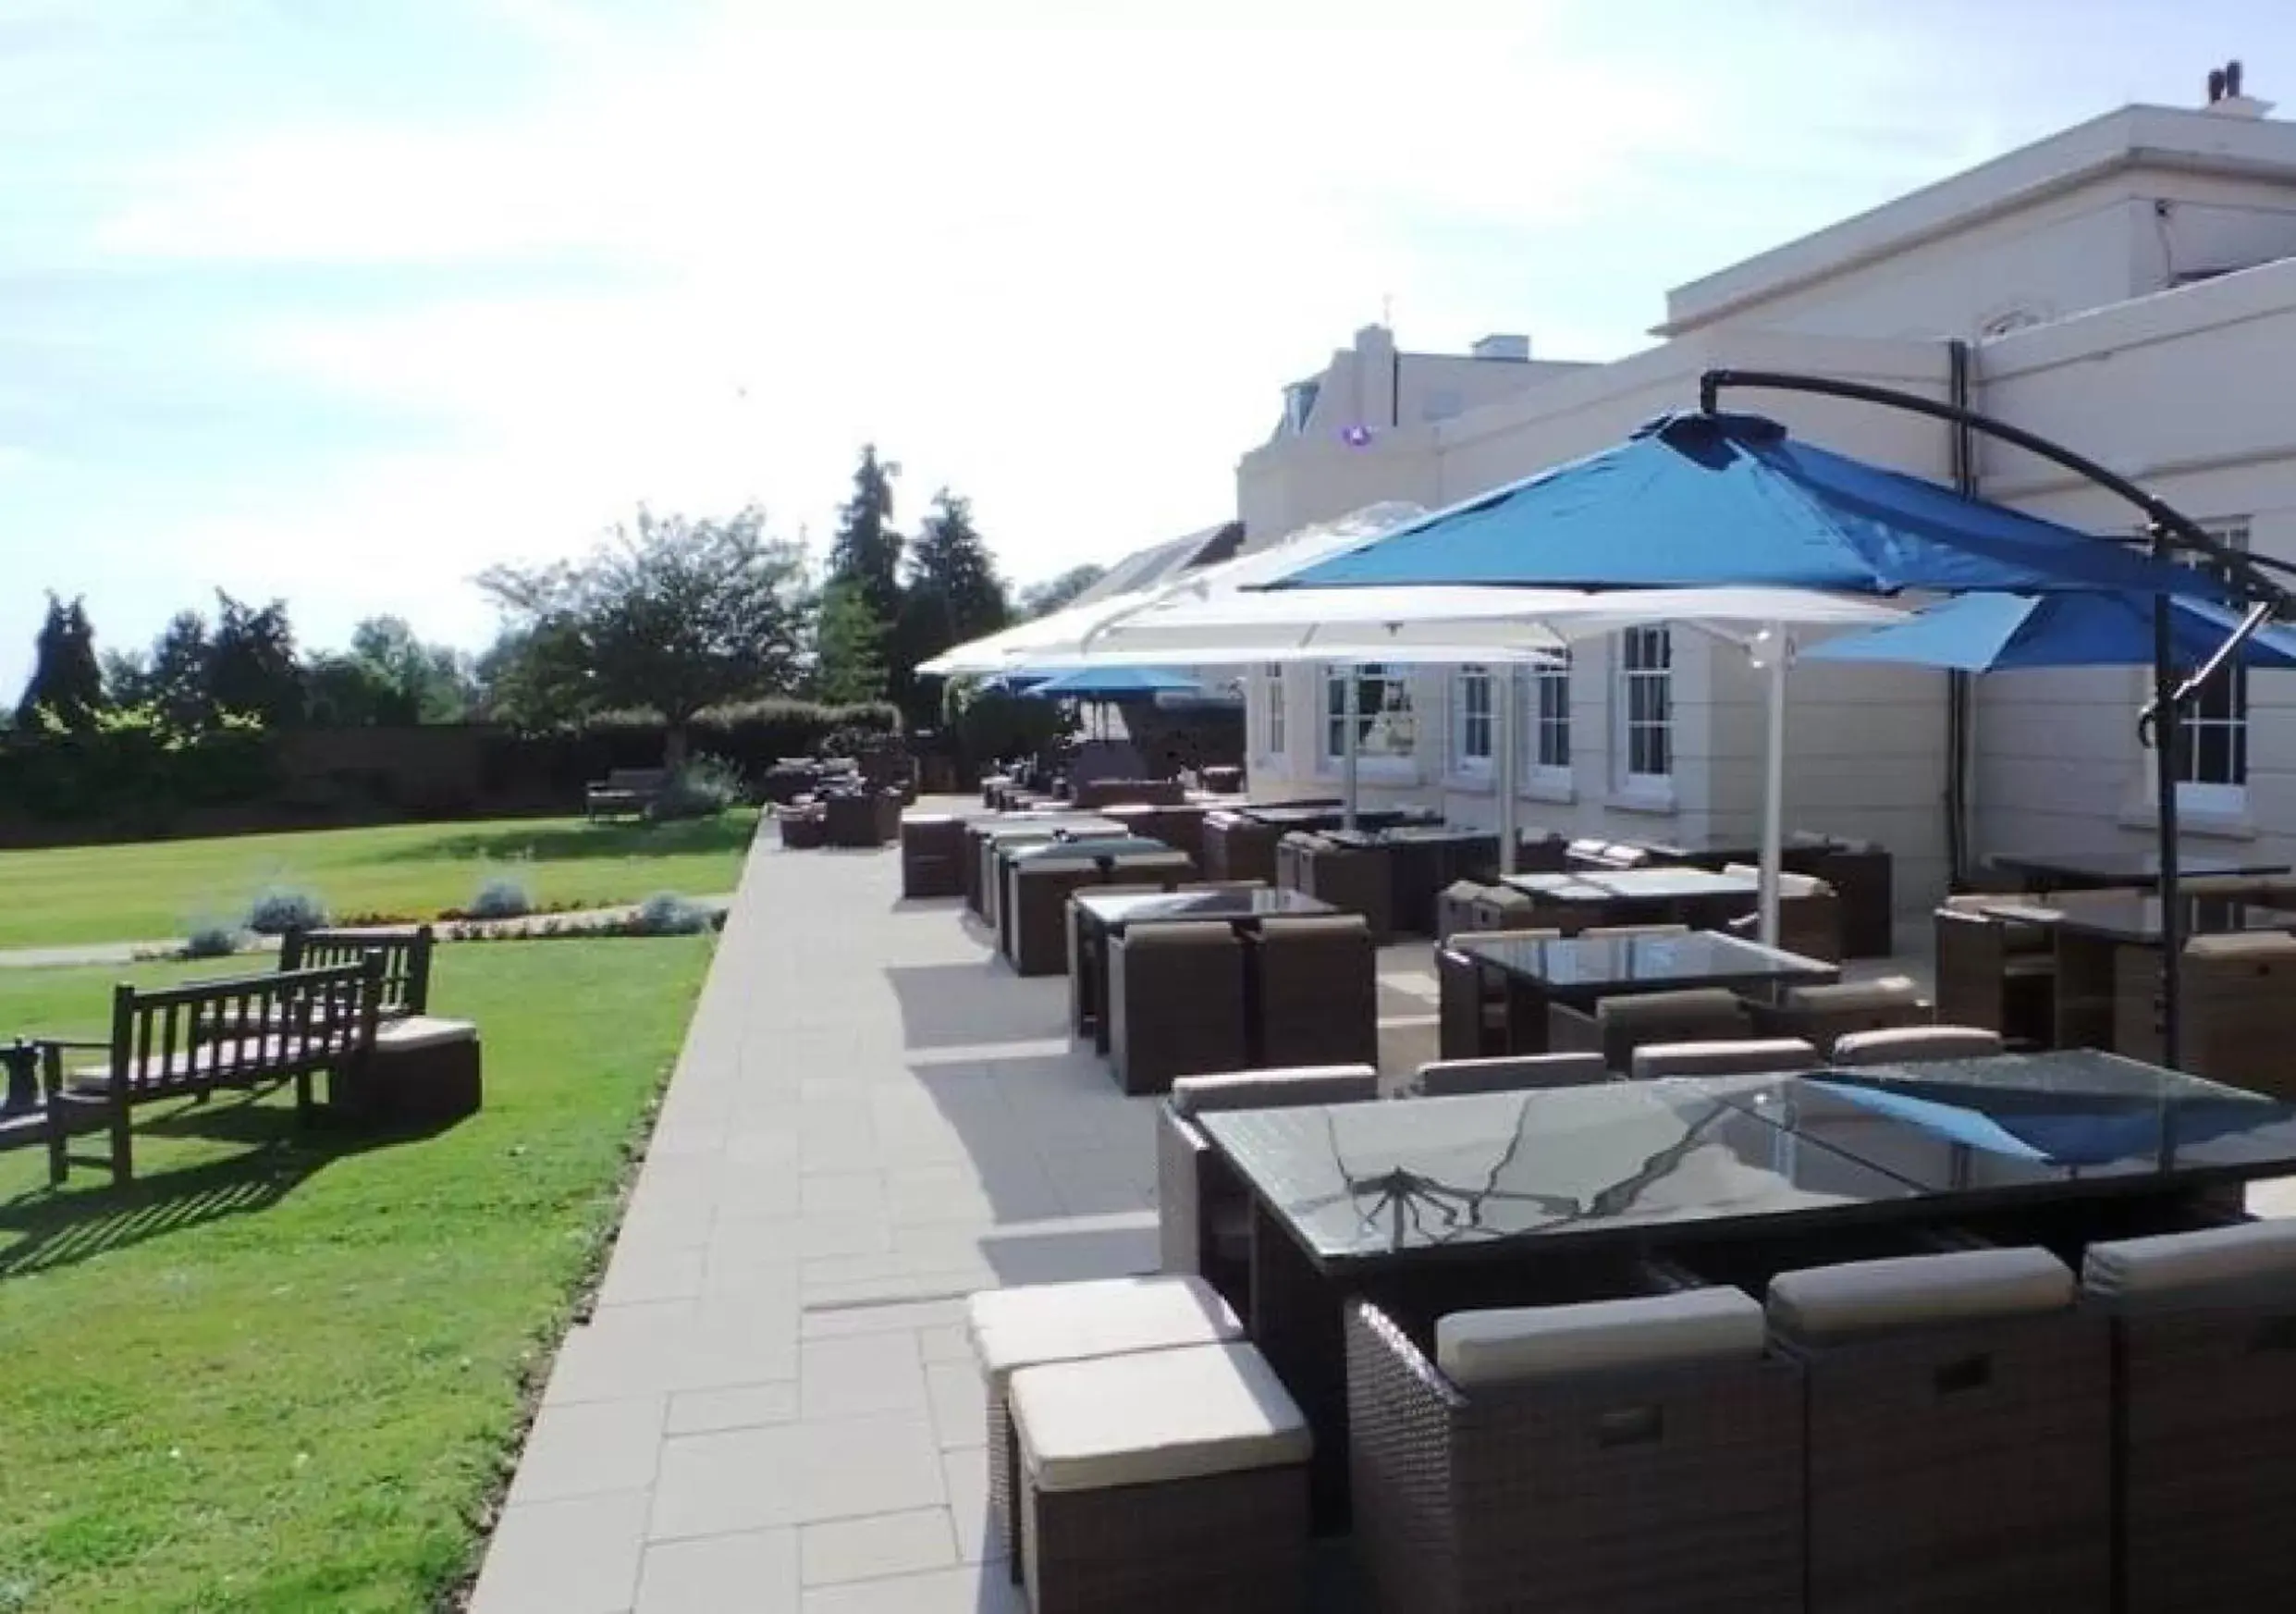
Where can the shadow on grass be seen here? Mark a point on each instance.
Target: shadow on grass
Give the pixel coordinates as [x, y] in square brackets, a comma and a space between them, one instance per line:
[49, 1228]
[572, 844]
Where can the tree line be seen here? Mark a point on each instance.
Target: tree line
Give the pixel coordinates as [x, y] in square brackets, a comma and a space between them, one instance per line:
[668, 614]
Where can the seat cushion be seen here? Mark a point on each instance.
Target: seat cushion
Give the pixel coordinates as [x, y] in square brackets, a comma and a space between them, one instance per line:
[1732, 1057]
[1542, 1342]
[414, 1031]
[1916, 1292]
[1885, 991]
[2261, 945]
[1514, 1073]
[2210, 1258]
[1903, 1043]
[1273, 1090]
[1159, 933]
[1039, 1323]
[1658, 1007]
[1159, 1415]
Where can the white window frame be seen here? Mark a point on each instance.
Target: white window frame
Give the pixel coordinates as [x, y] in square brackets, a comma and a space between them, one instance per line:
[1272, 716]
[1645, 675]
[1545, 706]
[1471, 721]
[1390, 681]
[2221, 709]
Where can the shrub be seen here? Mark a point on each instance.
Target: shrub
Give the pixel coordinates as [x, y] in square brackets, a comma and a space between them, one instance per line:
[704, 787]
[501, 898]
[213, 938]
[667, 914]
[281, 908]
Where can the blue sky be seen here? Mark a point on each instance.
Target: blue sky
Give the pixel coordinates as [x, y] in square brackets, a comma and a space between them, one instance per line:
[342, 300]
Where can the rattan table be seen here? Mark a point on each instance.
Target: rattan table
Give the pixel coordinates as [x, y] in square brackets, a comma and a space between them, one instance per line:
[1097, 918]
[1450, 1203]
[1580, 971]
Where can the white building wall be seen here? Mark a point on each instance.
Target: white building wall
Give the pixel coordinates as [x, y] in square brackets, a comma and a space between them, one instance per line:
[2186, 393]
[1718, 725]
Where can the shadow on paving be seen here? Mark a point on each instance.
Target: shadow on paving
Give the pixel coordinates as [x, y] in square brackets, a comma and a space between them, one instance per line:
[975, 1004]
[47, 1229]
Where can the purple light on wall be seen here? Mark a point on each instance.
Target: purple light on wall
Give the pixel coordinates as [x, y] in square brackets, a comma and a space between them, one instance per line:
[1356, 437]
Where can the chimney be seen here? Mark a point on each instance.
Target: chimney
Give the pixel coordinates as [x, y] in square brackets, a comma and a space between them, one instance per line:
[2227, 99]
[1501, 346]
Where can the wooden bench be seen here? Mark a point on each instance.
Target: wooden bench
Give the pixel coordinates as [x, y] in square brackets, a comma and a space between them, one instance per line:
[404, 951]
[185, 1043]
[624, 793]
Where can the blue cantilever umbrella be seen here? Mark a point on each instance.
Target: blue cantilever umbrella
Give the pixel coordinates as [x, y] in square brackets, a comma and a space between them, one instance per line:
[1718, 499]
[1113, 683]
[1696, 501]
[2005, 633]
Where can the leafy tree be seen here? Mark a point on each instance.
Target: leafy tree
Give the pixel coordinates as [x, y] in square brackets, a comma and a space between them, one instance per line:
[848, 658]
[251, 664]
[171, 680]
[954, 594]
[66, 680]
[1051, 595]
[866, 552]
[389, 676]
[672, 616]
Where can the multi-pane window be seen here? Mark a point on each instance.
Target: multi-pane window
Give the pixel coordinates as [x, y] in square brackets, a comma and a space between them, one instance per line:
[2212, 755]
[1384, 723]
[1646, 703]
[1471, 720]
[1549, 718]
[1272, 684]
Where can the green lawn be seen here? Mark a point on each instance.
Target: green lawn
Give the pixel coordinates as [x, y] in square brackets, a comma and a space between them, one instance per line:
[159, 888]
[276, 1373]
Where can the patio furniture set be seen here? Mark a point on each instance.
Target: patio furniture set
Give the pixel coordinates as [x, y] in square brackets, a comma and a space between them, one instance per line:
[1939, 1334]
[2080, 966]
[352, 1005]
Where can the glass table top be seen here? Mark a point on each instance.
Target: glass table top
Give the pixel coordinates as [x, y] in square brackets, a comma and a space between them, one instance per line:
[2126, 917]
[1388, 1178]
[2026, 1120]
[1609, 884]
[2140, 867]
[1097, 848]
[1592, 963]
[1367, 817]
[1025, 826]
[1116, 909]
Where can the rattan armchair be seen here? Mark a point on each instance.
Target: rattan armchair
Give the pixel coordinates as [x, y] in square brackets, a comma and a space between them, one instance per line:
[1356, 879]
[1175, 1003]
[2240, 1010]
[1632, 1484]
[1314, 985]
[1820, 1015]
[1620, 1025]
[1997, 968]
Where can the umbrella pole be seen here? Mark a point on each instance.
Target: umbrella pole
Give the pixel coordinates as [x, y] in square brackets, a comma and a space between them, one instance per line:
[1507, 677]
[1774, 787]
[2165, 732]
[1352, 709]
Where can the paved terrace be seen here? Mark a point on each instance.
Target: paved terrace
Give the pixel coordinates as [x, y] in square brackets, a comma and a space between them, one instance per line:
[773, 1407]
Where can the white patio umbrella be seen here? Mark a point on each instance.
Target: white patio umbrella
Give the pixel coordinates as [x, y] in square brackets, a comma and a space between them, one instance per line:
[1523, 622]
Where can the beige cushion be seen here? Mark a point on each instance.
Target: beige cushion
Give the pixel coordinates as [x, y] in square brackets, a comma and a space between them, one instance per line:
[1157, 934]
[1548, 935]
[1902, 1044]
[403, 1036]
[1040, 1322]
[1537, 1342]
[2257, 944]
[1658, 1007]
[1443, 1078]
[1914, 1291]
[1884, 992]
[2173, 1262]
[1138, 1420]
[1465, 890]
[1273, 1090]
[1739, 1057]
[1597, 932]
